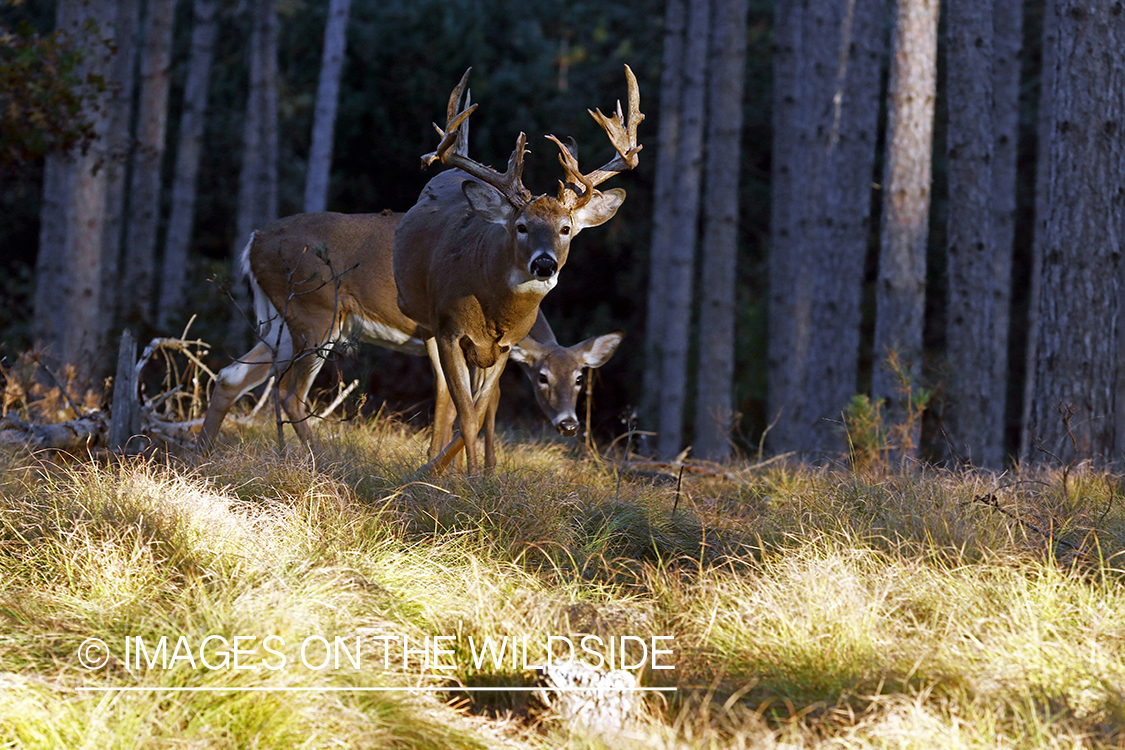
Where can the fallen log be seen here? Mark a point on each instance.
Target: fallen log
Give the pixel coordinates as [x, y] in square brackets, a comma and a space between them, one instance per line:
[82, 434]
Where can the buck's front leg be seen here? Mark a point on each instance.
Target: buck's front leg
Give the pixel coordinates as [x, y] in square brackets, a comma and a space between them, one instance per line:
[444, 409]
[457, 378]
[487, 400]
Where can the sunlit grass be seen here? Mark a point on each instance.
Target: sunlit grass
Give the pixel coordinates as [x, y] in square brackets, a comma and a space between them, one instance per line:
[809, 608]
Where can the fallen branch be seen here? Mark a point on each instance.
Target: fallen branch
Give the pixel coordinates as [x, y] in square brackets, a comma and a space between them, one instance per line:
[85, 433]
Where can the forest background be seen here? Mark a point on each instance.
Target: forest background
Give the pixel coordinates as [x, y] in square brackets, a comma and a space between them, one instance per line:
[825, 93]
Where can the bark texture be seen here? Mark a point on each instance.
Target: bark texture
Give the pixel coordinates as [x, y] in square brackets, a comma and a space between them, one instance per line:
[139, 275]
[714, 406]
[69, 318]
[900, 294]
[1072, 403]
[835, 78]
[974, 418]
[1007, 45]
[680, 265]
[664, 197]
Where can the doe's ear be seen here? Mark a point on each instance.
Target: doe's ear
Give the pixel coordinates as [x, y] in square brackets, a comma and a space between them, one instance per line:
[600, 209]
[597, 351]
[527, 352]
[487, 203]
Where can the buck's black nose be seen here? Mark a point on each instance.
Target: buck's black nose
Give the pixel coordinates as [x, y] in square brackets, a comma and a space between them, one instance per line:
[568, 427]
[544, 266]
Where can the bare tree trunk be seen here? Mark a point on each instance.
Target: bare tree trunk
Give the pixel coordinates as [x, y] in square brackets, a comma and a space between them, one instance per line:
[680, 271]
[148, 158]
[1072, 409]
[1042, 173]
[785, 158]
[837, 74]
[257, 182]
[714, 406]
[1007, 42]
[180, 224]
[327, 99]
[664, 198]
[974, 421]
[901, 291]
[69, 317]
[118, 145]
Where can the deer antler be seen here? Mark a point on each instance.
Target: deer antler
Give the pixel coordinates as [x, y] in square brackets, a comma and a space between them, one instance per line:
[577, 189]
[453, 150]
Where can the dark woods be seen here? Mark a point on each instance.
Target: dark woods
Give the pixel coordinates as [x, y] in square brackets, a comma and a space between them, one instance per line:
[920, 208]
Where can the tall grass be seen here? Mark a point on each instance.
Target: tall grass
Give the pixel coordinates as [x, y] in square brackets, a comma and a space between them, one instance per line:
[809, 608]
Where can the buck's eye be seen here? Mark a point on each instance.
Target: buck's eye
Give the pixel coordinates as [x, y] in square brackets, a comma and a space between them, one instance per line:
[521, 228]
[543, 378]
[578, 381]
[564, 231]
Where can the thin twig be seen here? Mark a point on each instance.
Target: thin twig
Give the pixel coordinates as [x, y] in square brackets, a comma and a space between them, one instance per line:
[990, 501]
[338, 400]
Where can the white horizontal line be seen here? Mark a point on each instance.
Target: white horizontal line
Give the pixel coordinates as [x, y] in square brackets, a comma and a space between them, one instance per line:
[453, 689]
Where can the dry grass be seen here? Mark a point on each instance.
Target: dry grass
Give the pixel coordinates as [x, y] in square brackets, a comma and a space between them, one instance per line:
[809, 608]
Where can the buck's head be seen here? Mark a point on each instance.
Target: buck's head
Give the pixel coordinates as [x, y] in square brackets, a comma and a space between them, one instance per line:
[541, 228]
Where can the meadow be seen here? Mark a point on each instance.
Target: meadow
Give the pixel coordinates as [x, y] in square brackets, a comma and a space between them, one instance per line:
[794, 607]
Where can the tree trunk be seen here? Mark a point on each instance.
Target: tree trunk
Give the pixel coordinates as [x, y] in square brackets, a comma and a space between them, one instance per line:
[181, 222]
[785, 169]
[901, 290]
[974, 419]
[1049, 44]
[327, 99]
[148, 159]
[664, 198]
[837, 76]
[1007, 43]
[1072, 410]
[69, 318]
[118, 145]
[680, 267]
[714, 406]
[257, 182]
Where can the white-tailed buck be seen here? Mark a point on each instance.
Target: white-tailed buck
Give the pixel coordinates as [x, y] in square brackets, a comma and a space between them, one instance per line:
[477, 253]
[321, 279]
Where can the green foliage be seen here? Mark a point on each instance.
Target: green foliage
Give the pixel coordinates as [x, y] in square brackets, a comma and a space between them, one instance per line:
[42, 96]
[872, 440]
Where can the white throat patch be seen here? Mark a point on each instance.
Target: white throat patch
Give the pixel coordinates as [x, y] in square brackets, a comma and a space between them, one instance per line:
[521, 282]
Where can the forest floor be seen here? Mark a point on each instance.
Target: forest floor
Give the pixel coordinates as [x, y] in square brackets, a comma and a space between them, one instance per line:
[329, 599]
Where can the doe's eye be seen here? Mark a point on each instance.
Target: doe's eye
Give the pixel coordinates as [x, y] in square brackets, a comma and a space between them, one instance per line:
[543, 378]
[521, 228]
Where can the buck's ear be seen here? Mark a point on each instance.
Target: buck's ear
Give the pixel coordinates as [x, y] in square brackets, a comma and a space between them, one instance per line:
[487, 203]
[600, 209]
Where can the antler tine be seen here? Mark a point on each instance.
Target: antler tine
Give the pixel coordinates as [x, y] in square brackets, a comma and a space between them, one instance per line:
[451, 137]
[575, 190]
[454, 146]
[622, 134]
